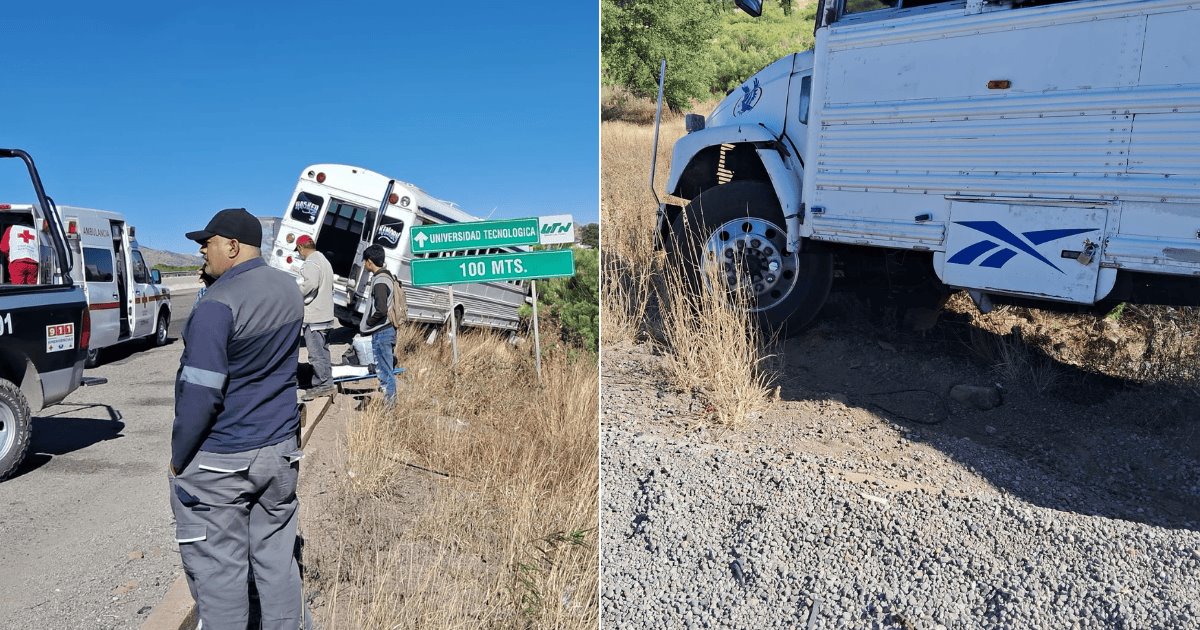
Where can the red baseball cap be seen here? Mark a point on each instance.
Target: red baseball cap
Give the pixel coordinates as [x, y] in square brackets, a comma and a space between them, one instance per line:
[305, 240]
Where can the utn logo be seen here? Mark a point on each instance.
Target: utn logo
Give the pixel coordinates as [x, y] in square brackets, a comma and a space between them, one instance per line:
[556, 228]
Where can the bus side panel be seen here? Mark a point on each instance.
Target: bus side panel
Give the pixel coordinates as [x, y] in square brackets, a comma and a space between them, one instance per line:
[908, 124]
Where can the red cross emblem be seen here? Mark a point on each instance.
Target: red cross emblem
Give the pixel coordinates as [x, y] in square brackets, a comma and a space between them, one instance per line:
[26, 236]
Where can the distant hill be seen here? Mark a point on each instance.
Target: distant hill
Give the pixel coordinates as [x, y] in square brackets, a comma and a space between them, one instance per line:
[270, 227]
[156, 257]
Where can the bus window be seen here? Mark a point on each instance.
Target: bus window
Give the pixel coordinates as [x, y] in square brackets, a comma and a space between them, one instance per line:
[97, 265]
[805, 97]
[862, 6]
[341, 234]
[307, 207]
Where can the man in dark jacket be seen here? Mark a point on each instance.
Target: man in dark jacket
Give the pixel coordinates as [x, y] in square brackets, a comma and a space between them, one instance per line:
[234, 457]
[375, 321]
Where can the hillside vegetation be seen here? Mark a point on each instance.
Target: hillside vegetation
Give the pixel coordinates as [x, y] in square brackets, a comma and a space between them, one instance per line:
[710, 46]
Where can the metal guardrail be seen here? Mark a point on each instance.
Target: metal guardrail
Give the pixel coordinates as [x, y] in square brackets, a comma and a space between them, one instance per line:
[178, 274]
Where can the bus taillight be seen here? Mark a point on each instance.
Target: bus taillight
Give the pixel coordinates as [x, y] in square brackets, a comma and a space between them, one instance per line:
[393, 199]
[320, 178]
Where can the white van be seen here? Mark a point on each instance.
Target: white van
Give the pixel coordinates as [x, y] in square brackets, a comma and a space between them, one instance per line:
[124, 296]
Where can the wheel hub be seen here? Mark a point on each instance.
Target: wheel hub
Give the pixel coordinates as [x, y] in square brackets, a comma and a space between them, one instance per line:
[8, 429]
[751, 251]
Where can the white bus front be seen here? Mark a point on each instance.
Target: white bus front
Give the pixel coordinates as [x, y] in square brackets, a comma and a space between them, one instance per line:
[342, 223]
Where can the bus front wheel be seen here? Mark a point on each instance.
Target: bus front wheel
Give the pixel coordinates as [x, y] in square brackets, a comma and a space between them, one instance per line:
[735, 233]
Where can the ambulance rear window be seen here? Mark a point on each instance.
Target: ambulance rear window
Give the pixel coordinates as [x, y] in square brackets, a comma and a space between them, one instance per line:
[97, 265]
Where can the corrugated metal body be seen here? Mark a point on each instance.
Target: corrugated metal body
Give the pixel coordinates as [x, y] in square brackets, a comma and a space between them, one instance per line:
[1104, 105]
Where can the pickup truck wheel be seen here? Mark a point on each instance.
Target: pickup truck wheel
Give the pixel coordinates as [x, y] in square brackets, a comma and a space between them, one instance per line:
[92, 359]
[14, 427]
[160, 331]
[739, 226]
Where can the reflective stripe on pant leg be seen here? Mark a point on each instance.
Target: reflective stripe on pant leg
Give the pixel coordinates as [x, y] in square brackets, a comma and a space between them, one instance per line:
[273, 522]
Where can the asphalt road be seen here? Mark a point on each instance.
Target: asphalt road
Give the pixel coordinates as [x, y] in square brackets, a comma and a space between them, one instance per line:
[86, 535]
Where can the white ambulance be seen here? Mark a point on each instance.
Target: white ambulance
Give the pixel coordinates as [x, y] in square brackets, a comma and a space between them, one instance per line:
[125, 297]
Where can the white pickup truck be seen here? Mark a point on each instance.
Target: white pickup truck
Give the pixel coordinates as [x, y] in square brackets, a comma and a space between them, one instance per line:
[1034, 152]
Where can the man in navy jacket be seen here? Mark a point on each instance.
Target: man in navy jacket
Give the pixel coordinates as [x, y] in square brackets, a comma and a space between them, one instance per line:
[234, 457]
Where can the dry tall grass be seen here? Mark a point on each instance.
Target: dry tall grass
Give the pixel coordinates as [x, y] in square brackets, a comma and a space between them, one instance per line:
[473, 503]
[711, 346]
[715, 350]
[627, 215]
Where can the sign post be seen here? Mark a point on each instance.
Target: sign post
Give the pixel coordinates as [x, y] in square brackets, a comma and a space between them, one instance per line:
[453, 326]
[497, 267]
[537, 339]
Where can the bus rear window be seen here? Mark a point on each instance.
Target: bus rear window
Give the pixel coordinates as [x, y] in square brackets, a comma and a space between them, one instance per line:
[307, 207]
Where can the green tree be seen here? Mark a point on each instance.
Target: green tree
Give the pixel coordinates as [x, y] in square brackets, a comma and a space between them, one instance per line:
[589, 234]
[636, 34]
[575, 301]
[744, 45]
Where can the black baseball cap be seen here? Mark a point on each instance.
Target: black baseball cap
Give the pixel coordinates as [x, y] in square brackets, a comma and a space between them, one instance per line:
[234, 223]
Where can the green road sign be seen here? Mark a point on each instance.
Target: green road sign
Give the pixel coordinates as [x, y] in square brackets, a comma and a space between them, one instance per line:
[473, 235]
[556, 229]
[496, 267]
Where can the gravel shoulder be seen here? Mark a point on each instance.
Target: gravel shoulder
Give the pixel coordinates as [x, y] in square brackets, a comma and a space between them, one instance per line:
[86, 533]
[1079, 507]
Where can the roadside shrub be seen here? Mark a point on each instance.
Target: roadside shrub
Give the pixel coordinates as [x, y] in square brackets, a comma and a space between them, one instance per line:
[574, 302]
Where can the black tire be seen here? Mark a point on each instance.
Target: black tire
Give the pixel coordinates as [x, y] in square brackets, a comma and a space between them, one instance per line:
[161, 329]
[457, 325]
[787, 296]
[92, 359]
[14, 428]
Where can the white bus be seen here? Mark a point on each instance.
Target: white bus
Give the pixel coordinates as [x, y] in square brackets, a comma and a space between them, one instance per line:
[339, 207]
[1029, 152]
[124, 296]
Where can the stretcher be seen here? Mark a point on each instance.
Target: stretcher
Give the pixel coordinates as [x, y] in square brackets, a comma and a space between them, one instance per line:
[342, 385]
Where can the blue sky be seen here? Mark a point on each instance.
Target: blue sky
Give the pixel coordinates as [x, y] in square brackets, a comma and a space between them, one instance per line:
[169, 111]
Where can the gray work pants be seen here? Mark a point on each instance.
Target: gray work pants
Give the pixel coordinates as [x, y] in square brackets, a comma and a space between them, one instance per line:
[318, 355]
[234, 512]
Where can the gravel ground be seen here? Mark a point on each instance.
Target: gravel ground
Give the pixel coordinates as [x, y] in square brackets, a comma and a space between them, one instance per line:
[825, 513]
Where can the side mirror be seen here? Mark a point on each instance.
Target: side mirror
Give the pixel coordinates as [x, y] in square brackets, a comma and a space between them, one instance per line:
[155, 276]
[753, 8]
